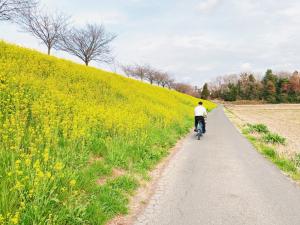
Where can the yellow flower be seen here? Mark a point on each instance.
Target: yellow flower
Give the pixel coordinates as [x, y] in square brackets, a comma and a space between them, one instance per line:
[48, 174]
[30, 193]
[15, 219]
[27, 162]
[40, 174]
[72, 183]
[46, 155]
[18, 185]
[33, 151]
[1, 219]
[63, 189]
[18, 164]
[36, 164]
[22, 204]
[58, 166]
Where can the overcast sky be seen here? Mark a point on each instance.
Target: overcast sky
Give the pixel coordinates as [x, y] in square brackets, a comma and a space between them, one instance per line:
[195, 40]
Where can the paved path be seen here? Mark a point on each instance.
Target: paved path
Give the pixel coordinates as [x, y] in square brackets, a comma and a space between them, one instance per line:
[222, 180]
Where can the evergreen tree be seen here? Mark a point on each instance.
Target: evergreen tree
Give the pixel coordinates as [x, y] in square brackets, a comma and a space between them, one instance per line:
[269, 82]
[253, 88]
[231, 93]
[282, 90]
[205, 91]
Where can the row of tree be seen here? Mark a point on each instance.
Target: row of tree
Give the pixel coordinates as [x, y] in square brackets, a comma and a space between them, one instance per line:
[282, 87]
[150, 74]
[88, 43]
[160, 78]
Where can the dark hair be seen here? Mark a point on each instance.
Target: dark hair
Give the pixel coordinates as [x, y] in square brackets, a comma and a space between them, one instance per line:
[200, 103]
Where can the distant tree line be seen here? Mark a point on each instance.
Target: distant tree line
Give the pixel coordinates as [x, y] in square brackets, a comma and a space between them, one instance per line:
[273, 87]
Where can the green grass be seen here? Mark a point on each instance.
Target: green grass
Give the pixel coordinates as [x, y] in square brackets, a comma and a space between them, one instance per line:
[266, 143]
[273, 138]
[259, 128]
[268, 151]
[297, 160]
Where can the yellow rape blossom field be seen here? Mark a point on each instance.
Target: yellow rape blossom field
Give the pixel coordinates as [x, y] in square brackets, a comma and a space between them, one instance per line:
[64, 127]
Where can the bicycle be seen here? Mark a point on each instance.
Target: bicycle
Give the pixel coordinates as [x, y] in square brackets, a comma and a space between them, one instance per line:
[199, 130]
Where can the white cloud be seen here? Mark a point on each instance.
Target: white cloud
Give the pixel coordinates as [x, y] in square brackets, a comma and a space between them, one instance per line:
[186, 79]
[135, 1]
[204, 68]
[207, 5]
[105, 17]
[245, 67]
[198, 41]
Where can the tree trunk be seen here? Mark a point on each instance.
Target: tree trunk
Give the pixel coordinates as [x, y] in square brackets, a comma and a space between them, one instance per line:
[49, 50]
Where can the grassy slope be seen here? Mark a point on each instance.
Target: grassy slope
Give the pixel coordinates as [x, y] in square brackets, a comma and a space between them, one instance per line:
[65, 126]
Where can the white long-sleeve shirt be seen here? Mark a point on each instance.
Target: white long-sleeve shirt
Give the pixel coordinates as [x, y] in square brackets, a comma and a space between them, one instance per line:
[200, 111]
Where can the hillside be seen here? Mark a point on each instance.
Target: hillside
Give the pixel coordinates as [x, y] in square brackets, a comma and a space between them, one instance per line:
[74, 140]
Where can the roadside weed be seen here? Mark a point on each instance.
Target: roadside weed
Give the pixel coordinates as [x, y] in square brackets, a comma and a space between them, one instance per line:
[266, 142]
[297, 160]
[259, 128]
[286, 165]
[273, 138]
[268, 151]
[263, 131]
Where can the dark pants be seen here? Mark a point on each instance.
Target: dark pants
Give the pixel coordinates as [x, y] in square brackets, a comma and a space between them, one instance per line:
[200, 119]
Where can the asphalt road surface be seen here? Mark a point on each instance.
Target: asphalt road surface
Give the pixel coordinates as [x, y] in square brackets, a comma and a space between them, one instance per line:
[222, 180]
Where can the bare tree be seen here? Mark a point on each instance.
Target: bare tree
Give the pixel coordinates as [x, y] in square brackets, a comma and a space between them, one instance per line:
[128, 70]
[163, 79]
[140, 71]
[184, 88]
[157, 77]
[44, 26]
[10, 9]
[88, 43]
[146, 72]
[170, 83]
[151, 74]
